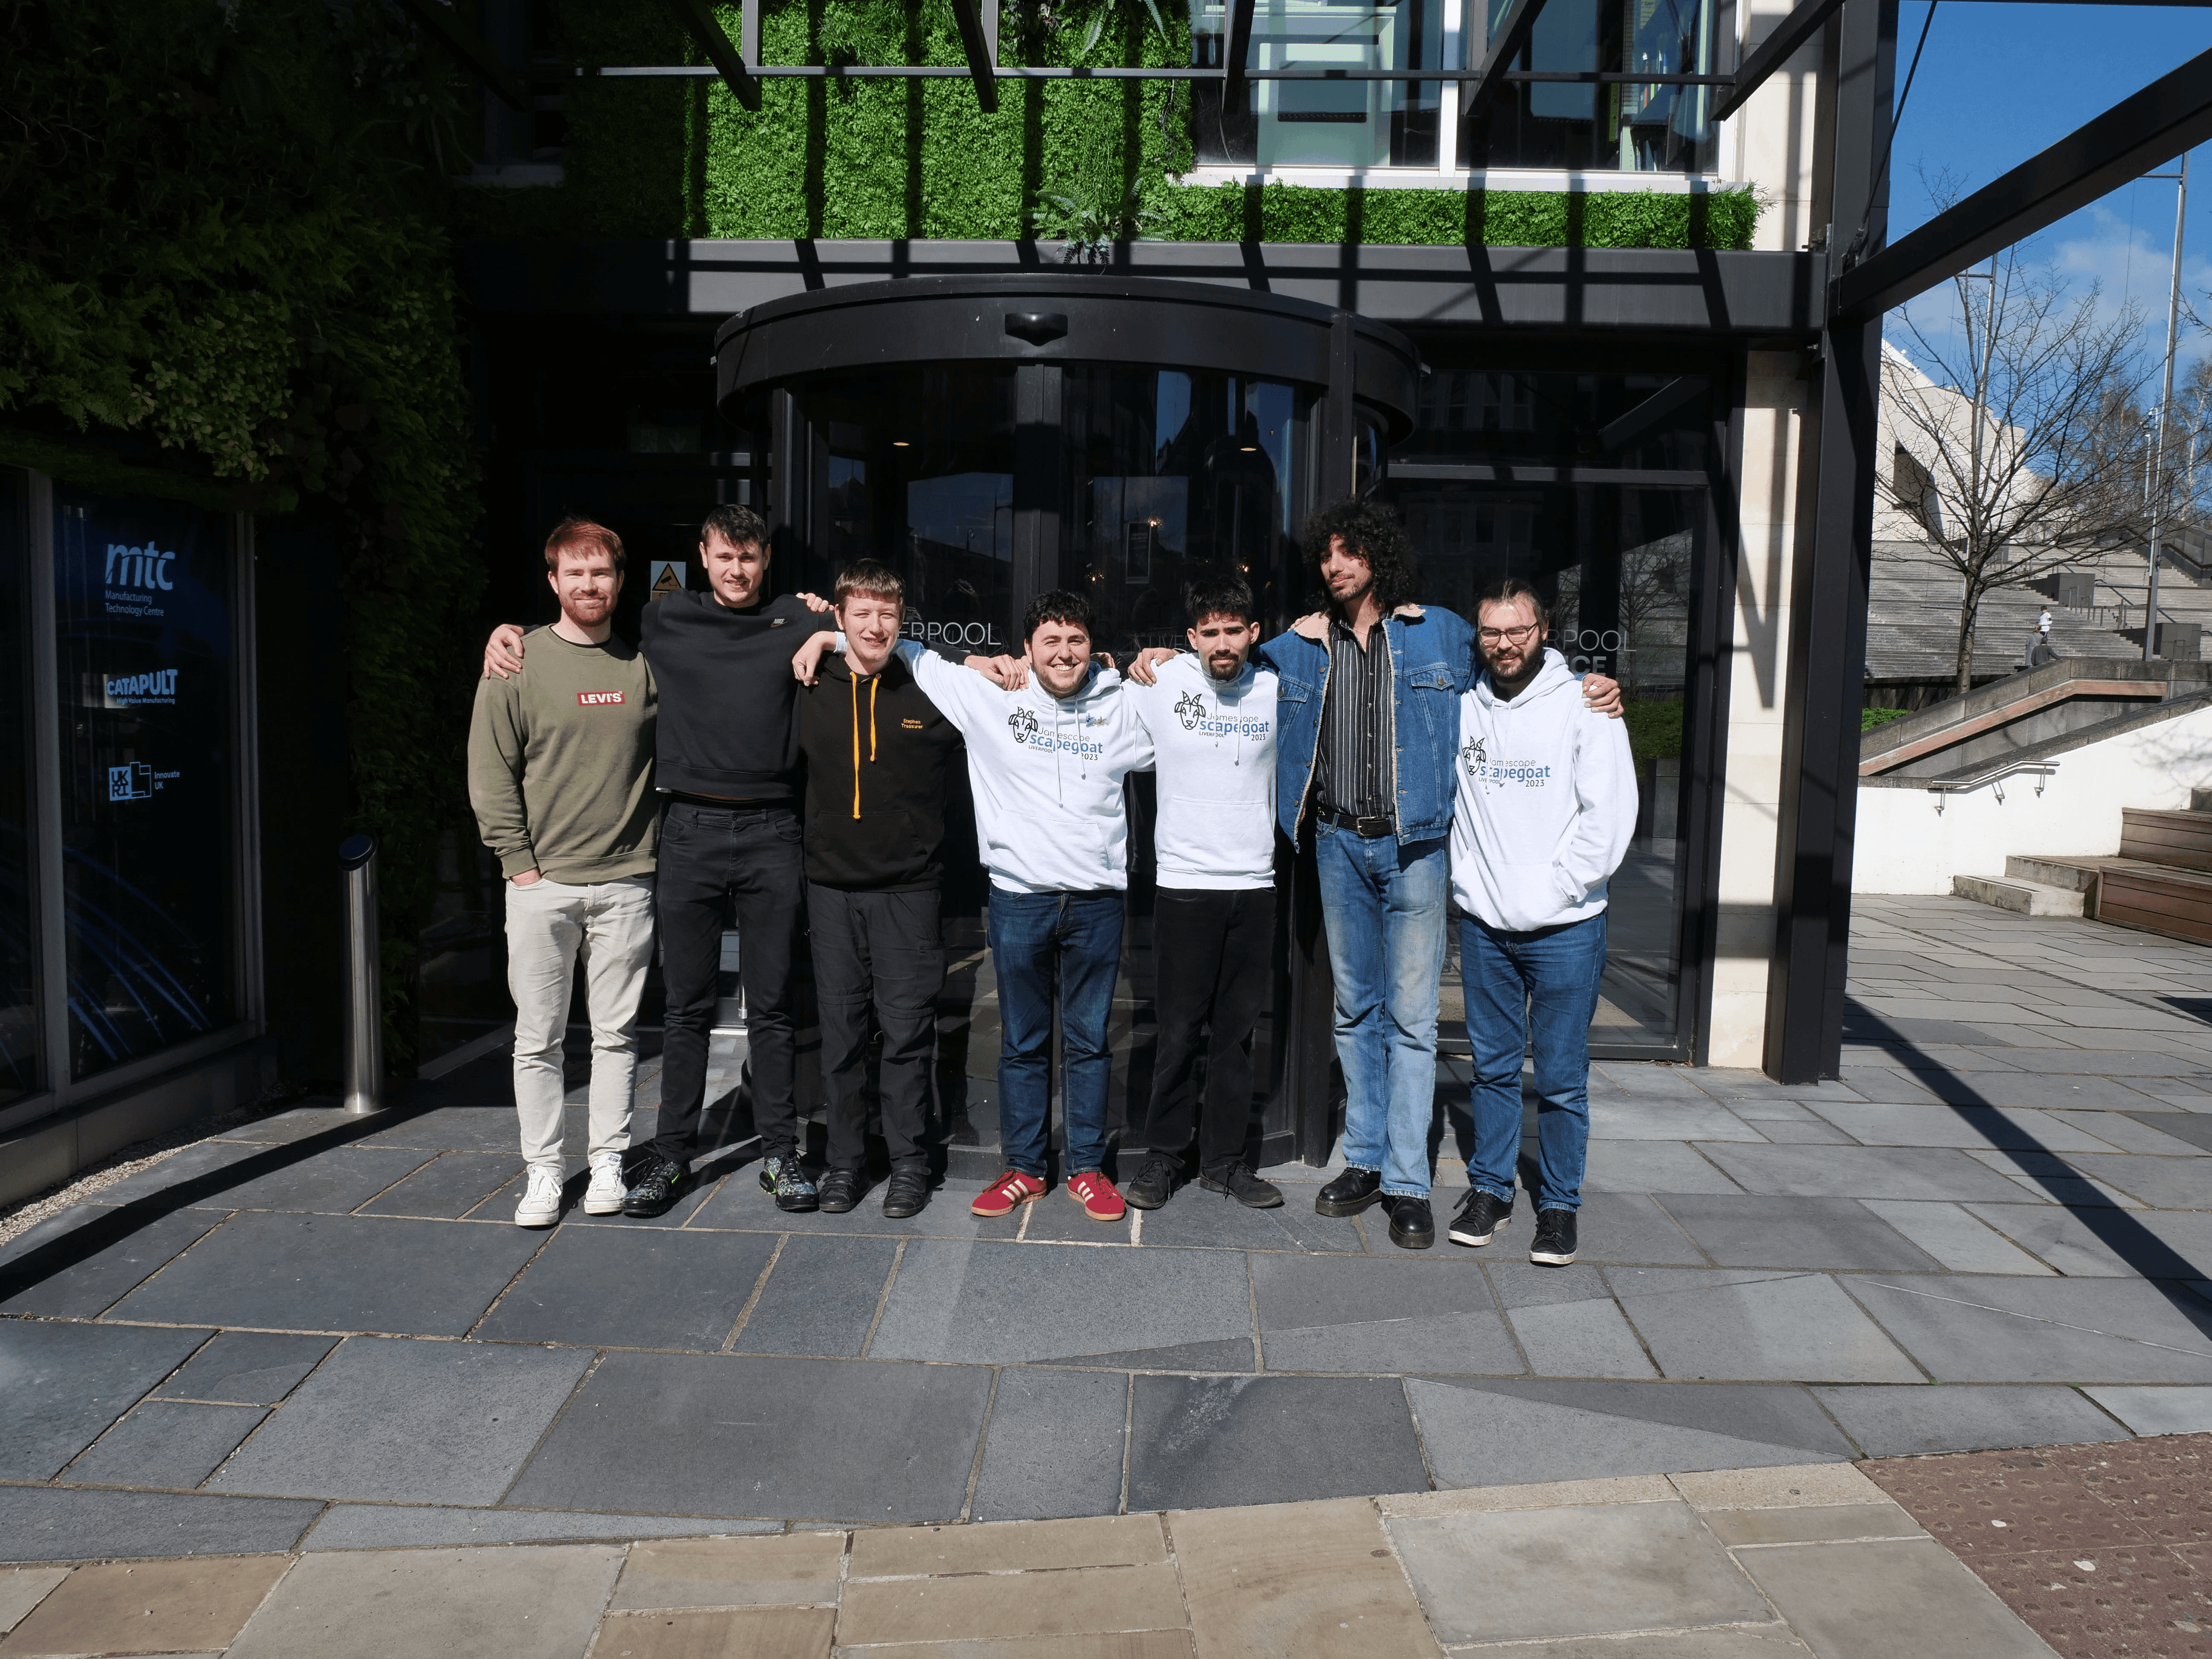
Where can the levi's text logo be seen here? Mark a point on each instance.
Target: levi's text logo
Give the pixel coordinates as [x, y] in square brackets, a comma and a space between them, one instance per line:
[596, 699]
[1475, 759]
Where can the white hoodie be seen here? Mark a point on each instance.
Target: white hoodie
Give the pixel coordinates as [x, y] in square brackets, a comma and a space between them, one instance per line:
[1046, 773]
[1545, 804]
[1213, 744]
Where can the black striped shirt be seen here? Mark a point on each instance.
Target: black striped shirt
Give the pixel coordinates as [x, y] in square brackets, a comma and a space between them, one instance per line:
[1358, 726]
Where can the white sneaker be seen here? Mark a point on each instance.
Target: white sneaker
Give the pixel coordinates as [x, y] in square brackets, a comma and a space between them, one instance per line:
[541, 1198]
[606, 1194]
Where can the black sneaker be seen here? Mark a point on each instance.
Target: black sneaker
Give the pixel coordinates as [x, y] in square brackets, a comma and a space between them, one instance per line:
[1349, 1193]
[906, 1194]
[840, 1191]
[1155, 1184]
[782, 1176]
[1412, 1226]
[658, 1184]
[1478, 1217]
[1554, 1243]
[1240, 1184]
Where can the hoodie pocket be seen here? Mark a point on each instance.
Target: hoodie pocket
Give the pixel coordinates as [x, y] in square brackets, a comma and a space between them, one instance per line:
[1530, 895]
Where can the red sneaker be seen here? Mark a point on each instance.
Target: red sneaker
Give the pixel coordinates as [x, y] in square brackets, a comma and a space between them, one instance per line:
[1008, 1194]
[1097, 1196]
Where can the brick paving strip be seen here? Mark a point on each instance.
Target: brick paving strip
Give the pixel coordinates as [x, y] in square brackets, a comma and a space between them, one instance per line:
[1751, 1563]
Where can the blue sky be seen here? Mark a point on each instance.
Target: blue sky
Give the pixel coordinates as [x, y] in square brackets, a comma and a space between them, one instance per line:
[2000, 81]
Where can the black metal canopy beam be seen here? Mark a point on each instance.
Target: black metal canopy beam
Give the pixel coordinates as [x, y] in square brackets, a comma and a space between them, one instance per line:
[728, 62]
[1234, 49]
[2171, 115]
[472, 49]
[1506, 45]
[1807, 19]
[1625, 428]
[980, 69]
[1061, 72]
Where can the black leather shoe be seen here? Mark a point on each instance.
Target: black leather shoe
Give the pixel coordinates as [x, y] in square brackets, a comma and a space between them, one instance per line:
[1349, 1193]
[658, 1186]
[1154, 1183]
[1478, 1217]
[906, 1194]
[1412, 1226]
[1240, 1184]
[1554, 1243]
[839, 1191]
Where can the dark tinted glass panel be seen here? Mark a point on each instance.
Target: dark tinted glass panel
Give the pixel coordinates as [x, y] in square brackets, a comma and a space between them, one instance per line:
[1644, 422]
[1169, 477]
[1632, 128]
[143, 601]
[916, 468]
[1321, 123]
[1617, 566]
[20, 1025]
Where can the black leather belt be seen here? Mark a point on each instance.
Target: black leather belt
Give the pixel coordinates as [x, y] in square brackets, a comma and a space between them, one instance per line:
[1367, 829]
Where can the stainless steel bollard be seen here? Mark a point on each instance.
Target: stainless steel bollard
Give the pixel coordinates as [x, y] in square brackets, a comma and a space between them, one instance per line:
[364, 1022]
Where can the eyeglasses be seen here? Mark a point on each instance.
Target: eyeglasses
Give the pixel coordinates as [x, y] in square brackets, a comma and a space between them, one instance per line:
[1519, 636]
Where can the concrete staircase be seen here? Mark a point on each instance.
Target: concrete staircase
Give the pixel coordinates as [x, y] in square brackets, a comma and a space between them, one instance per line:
[2161, 882]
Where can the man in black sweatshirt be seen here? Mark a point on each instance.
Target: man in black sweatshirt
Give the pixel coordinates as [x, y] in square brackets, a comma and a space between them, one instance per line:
[878, 755]
[726, 761]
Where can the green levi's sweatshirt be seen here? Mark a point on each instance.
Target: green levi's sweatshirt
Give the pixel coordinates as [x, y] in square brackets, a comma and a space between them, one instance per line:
[561, 762]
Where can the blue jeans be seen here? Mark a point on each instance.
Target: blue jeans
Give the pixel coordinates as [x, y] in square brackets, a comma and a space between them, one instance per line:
[1032, 934]
[1383, 903]
[1518, 986]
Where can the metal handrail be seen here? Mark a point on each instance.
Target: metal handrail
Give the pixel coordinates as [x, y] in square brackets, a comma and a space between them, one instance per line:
[2042, 771]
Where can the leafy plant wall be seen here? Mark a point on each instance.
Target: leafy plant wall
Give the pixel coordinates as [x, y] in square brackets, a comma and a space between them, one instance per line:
[914, 159]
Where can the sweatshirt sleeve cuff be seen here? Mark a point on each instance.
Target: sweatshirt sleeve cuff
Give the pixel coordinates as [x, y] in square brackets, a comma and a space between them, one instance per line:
[512, 864]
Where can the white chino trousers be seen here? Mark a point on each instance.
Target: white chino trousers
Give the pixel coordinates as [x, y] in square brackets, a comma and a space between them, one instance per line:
[549, 925]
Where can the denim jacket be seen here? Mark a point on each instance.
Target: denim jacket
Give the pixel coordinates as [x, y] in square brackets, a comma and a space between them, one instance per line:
[1433, 660]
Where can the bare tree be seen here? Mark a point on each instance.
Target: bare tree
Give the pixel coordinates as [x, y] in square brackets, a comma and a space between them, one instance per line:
[2006, 435]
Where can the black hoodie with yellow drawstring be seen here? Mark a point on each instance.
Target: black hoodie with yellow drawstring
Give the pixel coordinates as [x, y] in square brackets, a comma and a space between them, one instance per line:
[878, 755]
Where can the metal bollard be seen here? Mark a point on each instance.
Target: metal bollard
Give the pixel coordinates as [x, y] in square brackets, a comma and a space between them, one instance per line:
[364, 1022]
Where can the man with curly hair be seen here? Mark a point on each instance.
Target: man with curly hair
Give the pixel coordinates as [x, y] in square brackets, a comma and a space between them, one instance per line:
[1368, 724]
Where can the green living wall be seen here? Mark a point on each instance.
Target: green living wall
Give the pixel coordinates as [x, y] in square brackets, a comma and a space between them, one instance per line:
[1095, 162]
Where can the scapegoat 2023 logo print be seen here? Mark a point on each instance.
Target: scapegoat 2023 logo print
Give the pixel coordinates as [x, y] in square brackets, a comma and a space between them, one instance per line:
[1474, 760]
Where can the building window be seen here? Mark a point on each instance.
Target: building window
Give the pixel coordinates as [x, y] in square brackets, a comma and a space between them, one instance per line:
[1330, 124]
[145, 645]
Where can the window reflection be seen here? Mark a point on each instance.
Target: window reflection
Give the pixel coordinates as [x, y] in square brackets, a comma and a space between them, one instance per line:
[1632, 127]
[1339, 124]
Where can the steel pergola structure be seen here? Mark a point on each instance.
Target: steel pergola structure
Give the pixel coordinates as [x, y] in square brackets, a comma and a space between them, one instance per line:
[1860, 275]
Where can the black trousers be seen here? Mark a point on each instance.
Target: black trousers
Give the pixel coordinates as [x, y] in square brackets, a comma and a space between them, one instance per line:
[881, 951]
[1213, 956]
[710, 855]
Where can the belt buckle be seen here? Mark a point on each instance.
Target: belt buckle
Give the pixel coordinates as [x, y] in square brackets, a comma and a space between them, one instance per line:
[1371, 829]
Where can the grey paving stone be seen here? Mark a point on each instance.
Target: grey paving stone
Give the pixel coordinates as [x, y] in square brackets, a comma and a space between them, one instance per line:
[1867, 1601]
[1197, 1217]
[2125, 1061]
[738, 1203]
[409, 1422]
[821, 1298]
[1207, 1442]
[1807, 1131]
[708, 1181]
[1238, 1354]
[2158, 1411]
[1903, 1422]
[1954, 1237]
[400, 1525]
[2058, 1091]
[247, 1368]
[1650, 1166]
[315, 1273]
[541, 1602]
[2047, 1178]
[2164, 1183]
[1652, 1081]
[604, 1286]
[1859, 1172]
[2123, 1132]
[2195, 1127]
[2093, 1242]
[1743, 1229]
[1628, 1227]
[23, 1590]
[66, 1383]
[164, 1443]
[106, 1274]
[1897, 1031]
[330, 1182]
[489, 1127]
[1056, 1218]
[1708, 1323]
[1668, 1118]
[994, 1303]
[1959, 1126]
[1379, 1314]
[1507, 1433]
[1887, 1085]
[206, 1158]
[814, 1439]
[1984, 1329]
[53, 1523]
[1054, 1445]
[1590, 1338]
[1585, 1570]
[449, 1187]
[282, 1128]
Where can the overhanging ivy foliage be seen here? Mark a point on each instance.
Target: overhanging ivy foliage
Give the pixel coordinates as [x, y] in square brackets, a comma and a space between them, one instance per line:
[225, 278]
[916, 158]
